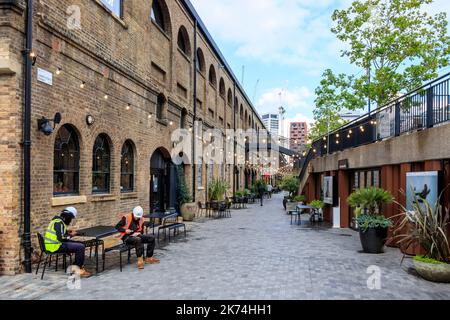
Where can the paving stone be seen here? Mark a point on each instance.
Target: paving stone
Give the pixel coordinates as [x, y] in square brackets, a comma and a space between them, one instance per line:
[256, 254]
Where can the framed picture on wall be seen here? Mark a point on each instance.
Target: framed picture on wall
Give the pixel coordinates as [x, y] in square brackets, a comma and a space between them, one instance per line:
[328, 196]
[422, 185]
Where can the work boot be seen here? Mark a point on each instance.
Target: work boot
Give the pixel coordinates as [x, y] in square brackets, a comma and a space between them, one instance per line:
[84, 273]
[140, 263]
[152, 260]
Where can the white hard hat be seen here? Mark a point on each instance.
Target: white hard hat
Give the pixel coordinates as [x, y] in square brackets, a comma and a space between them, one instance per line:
[71, 210]
[138, 212]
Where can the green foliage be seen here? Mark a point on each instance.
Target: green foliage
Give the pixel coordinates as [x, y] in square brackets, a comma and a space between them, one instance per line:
[183, 194]
[427, 225]
[217, 190]
[300, 198]
[371, 221]
[240, 194]
[317, 204]
[402, 46]
[367, 203]
[290, 184]
[370, 200]
[335, 94]
[427, 260]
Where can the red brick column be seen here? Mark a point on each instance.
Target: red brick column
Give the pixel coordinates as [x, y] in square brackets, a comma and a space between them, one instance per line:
[344, 192]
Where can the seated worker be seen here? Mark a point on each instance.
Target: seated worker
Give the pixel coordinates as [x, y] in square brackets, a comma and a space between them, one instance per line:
[57, 238]
[131, 228]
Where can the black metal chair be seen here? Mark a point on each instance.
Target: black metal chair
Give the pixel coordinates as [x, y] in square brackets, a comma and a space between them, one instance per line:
[48, 256]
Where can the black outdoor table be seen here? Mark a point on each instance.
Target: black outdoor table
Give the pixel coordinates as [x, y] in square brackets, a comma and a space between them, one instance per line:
[160, 215]
[96, 233]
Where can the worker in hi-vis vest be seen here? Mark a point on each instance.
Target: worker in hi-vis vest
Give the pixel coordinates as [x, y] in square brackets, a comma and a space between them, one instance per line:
[57, 238]
[131, 228]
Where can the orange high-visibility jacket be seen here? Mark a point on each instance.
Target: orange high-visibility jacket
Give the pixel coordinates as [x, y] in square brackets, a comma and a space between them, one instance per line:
[129, 218]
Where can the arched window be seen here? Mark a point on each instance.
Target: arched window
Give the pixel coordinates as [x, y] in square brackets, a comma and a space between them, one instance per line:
[66, 162]
[159, 15]
[230, 97]
[242, 112]
[222, 88]
[101, 164]
[127, 167]
[212, 76]
[183, 41]
[160, 106]
[200, 61]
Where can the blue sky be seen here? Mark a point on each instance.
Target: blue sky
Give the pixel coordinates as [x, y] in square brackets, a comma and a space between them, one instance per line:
[285, 44]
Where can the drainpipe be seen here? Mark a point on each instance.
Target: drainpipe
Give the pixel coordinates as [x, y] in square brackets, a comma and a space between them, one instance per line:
[234, 144]
[194, 167]
[27, 138]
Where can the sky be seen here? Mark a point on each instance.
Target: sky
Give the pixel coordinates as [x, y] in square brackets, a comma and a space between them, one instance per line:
[281, 46]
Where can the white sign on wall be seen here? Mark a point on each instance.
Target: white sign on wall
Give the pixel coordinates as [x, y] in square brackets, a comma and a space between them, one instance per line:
[328, 190]
[45, 76]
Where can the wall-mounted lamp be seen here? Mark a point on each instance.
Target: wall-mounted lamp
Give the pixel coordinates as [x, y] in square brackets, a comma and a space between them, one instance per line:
[44, 124]
[90, 120]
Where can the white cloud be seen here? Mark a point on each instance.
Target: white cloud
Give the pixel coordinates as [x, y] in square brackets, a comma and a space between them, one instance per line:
[295, 101]
[285, 32]
[282, 32]
[292, 100]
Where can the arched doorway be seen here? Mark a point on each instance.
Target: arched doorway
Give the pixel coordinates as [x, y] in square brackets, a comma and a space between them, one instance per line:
[163, 180]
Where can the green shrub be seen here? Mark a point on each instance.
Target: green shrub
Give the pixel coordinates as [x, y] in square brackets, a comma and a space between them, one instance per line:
[317, 204]
[217, 190]
[183, 194]
[428, 260]
[300, 198]
[371, 221]
[291, 185]
[429, 224]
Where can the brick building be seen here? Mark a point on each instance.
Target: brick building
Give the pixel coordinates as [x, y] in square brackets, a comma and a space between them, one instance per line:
[298, 134]
[123, 75]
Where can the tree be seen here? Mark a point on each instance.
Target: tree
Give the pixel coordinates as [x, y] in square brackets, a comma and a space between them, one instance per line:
[394, 42]
[291, 185]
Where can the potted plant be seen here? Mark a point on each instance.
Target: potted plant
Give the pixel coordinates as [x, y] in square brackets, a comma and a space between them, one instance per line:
[217, 190]
[373, 225]
[300, 198]
[291, 185]
[317, 204]
[428, 226]
[187, 207]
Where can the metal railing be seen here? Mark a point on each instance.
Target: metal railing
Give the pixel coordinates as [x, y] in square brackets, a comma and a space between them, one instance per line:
[422, 108]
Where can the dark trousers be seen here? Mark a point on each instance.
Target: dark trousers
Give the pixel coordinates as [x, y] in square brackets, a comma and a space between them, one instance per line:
[74, 247]
[138, 243]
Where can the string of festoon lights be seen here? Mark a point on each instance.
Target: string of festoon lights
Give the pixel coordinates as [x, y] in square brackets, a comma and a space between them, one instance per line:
[348, 133]
[106, 95]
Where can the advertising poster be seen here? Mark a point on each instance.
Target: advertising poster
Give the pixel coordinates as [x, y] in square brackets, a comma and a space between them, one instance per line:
[424, 186]
[328, 190]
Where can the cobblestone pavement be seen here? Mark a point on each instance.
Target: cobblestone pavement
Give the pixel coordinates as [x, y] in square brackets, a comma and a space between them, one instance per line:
[256, 254]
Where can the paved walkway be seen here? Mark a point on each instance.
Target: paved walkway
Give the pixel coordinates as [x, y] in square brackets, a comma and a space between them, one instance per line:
[256, 254]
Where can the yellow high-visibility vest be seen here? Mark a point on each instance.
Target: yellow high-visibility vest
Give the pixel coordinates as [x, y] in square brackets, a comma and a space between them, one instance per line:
[52, 244]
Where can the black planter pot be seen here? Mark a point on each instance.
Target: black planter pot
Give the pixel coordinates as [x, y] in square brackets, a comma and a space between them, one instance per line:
[373, 240]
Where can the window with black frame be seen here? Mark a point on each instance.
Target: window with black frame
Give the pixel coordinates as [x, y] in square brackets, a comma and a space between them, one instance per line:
[157, 15]
[127, 168]
[101, 163]
[66, 162]
[115, 6]
[370, 178]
